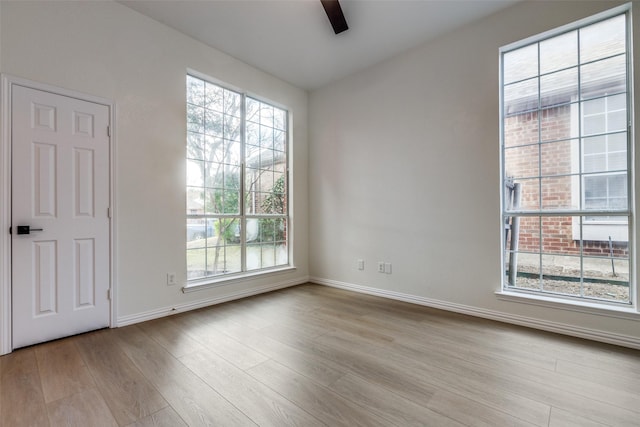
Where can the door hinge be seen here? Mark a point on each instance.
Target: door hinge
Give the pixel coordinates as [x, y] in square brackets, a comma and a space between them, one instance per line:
[109, 212]
[109, 294]
[109, 131]
[10, 230]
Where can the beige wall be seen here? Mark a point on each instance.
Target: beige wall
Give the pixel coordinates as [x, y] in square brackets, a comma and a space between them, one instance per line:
[404, 168]
[105, 49]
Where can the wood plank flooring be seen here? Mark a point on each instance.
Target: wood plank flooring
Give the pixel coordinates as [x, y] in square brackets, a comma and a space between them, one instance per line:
[317, 356]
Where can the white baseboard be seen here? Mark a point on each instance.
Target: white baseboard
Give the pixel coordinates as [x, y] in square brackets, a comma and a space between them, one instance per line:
[180, 308]
[560, 328]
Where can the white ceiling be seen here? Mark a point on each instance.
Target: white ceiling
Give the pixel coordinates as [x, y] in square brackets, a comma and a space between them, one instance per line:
[293, 39]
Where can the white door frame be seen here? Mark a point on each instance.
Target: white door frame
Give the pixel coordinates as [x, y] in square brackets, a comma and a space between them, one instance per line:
[8, 82]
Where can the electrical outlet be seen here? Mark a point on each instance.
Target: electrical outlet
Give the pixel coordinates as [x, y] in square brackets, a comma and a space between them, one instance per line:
[380, 267]
[387, 267]
[360, 264]
[171, 279]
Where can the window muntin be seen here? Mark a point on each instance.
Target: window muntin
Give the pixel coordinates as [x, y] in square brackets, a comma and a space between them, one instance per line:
[565, 160]
[237, 210]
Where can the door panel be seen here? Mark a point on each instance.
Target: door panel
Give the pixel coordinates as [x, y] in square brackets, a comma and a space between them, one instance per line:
[60, 185]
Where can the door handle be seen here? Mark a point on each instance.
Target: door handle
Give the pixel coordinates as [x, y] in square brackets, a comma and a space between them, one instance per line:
[25, 229]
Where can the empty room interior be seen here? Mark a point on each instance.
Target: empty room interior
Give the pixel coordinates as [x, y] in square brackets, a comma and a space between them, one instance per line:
[295, 212]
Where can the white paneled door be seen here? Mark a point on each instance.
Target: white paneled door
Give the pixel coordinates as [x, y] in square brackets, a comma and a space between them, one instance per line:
[60, 191]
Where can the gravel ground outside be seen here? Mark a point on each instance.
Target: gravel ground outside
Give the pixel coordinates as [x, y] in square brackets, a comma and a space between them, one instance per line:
[614, 290]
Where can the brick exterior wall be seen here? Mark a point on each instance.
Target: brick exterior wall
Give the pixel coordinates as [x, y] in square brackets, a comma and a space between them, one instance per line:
[543, 160]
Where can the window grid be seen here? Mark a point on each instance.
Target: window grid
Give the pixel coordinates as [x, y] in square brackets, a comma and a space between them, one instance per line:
[545, 235]
[224, 237]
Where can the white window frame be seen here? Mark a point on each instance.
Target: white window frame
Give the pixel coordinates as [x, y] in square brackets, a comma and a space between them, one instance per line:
[600, 227]
[226, 278]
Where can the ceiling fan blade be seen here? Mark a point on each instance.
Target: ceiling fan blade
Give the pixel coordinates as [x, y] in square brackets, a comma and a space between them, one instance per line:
[335, 15]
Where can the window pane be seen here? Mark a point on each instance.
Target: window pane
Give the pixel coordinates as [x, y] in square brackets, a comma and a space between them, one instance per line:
[605, 153]
[279, 118]
[266, 115]
[617, 102]
[195, 118]
[227, 230]
[232, 102]
[277, 199]
[616, 228]
[268, 255]
[275, 202]
[233, 259]
[252, 182]
[253, 230]
[557, 236]
[556, 192]
[595, 162]
[232, 128]
[213, 123]
[254, 257]
[195, 146]
[270, 230]
[253, 110]
[617, 142]
[603, 39]
[556, 124]
[195, 201]
[559, 88]
[617, 161]
[594, 145]
[529, 194]
[593, 107]
[604, 77]
[607, 278]
[555, 157]
[279, 140]
[213, 201]
[527, 270]
[214, 175]
[561, 274]
[281, 231]
[282, 254]
[594, 124]
[616, 121]
[196, 263]
[196, 233]
[528, 234]
[266, 137]
[520, 64]
[559, 52]
[195, 91]
[213, 149]
[195, 173]
[231, 202]
[605, 192]
[214, 97]
[267, 229]
[521, 129]
[253, 134]
[522, 162]
[252, 155]
[520, 97]
[224, 260]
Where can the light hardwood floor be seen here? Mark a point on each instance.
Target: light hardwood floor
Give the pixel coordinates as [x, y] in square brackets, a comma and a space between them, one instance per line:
[312, 356]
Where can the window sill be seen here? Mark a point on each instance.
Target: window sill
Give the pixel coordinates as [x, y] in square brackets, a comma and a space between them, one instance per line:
[626, 312]
[214, 282]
